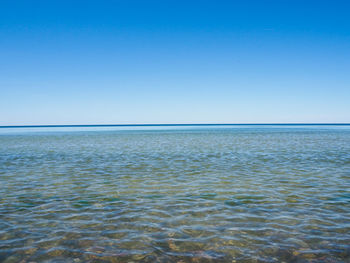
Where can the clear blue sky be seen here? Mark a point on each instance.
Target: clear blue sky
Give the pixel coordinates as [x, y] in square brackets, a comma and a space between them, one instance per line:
[96, 62]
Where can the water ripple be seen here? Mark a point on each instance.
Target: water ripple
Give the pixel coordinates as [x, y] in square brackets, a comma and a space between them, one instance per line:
[181, 196]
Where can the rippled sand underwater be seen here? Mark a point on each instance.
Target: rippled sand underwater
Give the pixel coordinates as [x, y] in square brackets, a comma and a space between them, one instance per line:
[232, 194]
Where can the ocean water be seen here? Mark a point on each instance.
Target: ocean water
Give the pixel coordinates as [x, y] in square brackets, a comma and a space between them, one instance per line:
[175, 194]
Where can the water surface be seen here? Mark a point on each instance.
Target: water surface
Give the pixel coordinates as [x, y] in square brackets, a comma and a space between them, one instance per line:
[175, 194]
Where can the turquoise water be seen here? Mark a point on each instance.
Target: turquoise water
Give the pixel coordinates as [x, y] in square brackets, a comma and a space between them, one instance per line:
[175, 194]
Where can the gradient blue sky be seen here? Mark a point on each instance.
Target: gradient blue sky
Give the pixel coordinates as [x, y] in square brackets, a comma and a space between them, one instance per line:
[98, 62]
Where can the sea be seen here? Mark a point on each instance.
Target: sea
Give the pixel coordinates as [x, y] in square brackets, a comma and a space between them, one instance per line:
[178, 193]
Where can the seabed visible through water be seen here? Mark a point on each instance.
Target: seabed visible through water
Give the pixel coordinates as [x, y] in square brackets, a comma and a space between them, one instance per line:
[175, 194]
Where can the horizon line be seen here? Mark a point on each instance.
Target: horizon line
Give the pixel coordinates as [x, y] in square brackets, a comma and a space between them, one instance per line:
[162, 124]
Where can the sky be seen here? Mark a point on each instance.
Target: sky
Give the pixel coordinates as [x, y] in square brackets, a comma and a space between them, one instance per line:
[127, 62]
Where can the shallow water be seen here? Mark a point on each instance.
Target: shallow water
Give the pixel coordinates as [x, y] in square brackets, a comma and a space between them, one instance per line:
[175, 194]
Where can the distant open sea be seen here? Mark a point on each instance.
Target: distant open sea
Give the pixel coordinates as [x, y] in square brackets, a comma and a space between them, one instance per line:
[218, 193]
